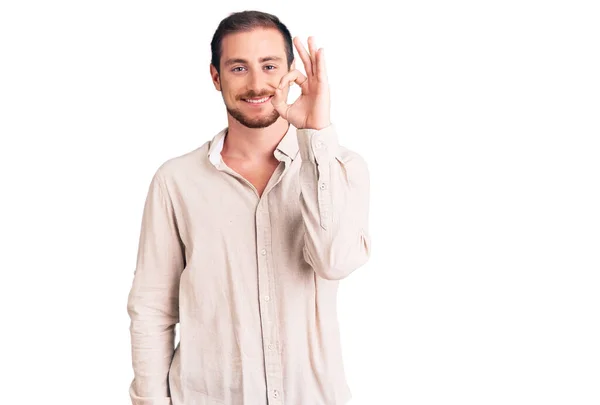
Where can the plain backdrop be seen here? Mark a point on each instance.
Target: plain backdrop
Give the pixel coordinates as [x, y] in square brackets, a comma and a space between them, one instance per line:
[480, 123]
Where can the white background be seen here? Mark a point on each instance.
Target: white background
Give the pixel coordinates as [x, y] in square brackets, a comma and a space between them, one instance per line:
[480, 122]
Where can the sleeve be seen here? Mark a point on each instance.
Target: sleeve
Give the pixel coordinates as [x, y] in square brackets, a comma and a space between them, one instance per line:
[334, 201]
[153, 299]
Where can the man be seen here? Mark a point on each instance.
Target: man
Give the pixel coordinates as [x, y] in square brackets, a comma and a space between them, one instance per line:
[245, 239]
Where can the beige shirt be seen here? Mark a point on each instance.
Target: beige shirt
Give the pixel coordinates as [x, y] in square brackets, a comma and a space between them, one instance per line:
[252, 281]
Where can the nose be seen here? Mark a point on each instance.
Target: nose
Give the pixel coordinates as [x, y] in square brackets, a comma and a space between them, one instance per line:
[256, 81]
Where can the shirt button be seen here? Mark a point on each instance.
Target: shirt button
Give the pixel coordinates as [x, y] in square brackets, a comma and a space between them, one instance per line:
[319, 145]
[323, 186]
[267, 298]
[263, 252]
[275, 393]
[270, 347]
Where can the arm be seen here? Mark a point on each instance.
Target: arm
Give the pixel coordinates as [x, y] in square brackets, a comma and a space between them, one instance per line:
[334, 201]
[334, 181]
[153, 299]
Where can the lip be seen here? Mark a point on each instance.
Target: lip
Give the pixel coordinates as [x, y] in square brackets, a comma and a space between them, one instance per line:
[257, 104]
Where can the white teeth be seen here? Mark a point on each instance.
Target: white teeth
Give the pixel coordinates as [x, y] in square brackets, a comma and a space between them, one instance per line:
[262, 100]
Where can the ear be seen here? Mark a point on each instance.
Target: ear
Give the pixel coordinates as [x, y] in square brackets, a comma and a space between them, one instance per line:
[215, 77]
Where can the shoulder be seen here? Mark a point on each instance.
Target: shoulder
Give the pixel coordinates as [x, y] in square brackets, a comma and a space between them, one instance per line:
[176, 169]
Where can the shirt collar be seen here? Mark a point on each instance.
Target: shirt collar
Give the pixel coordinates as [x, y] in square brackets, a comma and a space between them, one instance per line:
[288, 146]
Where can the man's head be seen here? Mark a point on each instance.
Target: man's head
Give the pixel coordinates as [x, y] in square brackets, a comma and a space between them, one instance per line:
[251, 52]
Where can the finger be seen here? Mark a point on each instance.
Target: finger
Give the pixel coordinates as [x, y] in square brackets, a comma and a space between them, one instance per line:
[293, 76]
[304, 56]
[312, 51]
[321, 68]
[279, 99]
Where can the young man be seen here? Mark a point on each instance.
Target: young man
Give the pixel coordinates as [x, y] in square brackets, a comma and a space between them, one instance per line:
[245, 239]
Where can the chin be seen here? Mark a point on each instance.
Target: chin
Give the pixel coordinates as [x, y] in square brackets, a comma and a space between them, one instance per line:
[263, 120]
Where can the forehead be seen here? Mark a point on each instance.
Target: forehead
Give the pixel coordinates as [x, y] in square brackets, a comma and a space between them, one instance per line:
[252, 45]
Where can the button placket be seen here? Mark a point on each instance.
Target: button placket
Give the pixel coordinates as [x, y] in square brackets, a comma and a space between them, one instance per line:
[273, 371]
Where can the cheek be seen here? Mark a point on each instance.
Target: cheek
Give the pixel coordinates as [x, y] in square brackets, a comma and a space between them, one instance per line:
[230, 89]
[232, 95]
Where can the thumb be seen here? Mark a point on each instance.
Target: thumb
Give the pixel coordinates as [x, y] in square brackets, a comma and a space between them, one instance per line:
[279, 101]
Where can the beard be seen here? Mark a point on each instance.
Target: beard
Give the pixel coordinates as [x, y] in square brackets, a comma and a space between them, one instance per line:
[253, 122]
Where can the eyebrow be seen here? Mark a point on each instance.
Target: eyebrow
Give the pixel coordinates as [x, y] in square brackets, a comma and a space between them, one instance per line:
[261, 60]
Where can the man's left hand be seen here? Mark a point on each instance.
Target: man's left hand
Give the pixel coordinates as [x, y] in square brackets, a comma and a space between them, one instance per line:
[311, 109]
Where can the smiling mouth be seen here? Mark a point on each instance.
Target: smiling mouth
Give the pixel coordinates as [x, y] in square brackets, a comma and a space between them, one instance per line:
[257, 101]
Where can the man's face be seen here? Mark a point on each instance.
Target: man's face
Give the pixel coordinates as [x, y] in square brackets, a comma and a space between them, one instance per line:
[252, 65]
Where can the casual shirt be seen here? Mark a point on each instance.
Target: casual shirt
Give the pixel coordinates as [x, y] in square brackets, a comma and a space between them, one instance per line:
[252, 280]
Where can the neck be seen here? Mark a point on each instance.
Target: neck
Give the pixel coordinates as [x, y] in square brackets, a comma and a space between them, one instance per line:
[253, 144]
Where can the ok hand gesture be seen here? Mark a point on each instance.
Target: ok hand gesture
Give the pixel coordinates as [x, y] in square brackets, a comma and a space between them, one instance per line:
[311, 109]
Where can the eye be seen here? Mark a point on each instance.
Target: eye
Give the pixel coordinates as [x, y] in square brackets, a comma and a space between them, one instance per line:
[274, 67]
[237, 67]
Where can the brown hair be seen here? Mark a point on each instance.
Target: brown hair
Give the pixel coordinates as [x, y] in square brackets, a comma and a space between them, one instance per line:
[246, 21]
